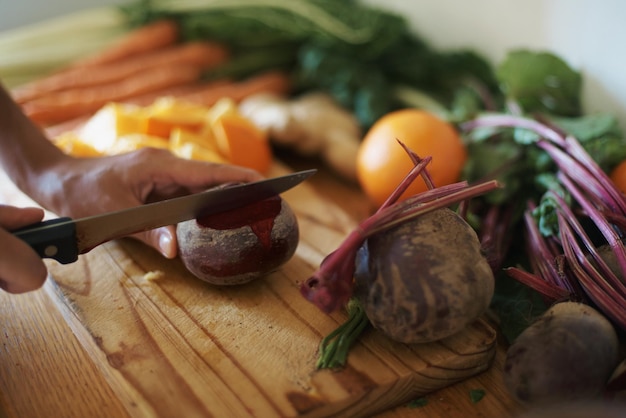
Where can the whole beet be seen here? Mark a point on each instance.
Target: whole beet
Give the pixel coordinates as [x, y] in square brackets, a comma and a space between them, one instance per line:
[425, 279]
[568, 354]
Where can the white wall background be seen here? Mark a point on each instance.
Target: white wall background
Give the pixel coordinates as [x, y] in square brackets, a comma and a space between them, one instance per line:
[589, 34]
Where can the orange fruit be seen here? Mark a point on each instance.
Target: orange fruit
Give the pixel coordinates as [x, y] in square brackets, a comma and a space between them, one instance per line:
[242, 143]
[618, 176]
[382, 163]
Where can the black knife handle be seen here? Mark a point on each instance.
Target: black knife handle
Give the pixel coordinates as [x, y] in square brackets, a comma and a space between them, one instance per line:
[55, 238]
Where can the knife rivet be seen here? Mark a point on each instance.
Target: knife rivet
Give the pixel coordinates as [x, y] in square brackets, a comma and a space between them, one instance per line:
[51, 250]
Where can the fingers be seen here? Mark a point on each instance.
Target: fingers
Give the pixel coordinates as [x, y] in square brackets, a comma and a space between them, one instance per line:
[195, 176]
[21, 269]
[13, 218]
[161, 239]
[230, 173]
[191, 174]
[206, 173]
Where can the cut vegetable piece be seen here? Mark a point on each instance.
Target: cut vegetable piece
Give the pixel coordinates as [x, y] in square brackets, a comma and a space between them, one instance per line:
[112, 121]
[71, 144]
[133, 142]
[166, 114]
[223, 106]
[181, 137]
[242, 142]
[194, 151]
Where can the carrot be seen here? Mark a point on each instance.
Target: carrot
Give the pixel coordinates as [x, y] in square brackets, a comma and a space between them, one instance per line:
[177, 91]
[65, 105]
[141, 100]
[202, 54]
[272, 81]
[146, 38]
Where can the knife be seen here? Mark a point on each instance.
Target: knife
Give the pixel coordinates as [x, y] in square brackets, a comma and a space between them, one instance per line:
[63, 239]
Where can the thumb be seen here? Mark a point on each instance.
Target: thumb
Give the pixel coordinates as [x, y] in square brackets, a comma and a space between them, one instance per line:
[162, 239]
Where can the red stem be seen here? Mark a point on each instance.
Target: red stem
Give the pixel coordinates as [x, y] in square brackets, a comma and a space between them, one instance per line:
[419, 168]
[534, 282]
[608, 301]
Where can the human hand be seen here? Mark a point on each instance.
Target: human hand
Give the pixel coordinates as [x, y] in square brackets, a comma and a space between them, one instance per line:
[82, 187]
[21, 269]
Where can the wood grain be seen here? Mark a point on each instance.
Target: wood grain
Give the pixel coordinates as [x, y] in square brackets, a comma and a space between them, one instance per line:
[83, 375]
[44, 370]
[175, 343]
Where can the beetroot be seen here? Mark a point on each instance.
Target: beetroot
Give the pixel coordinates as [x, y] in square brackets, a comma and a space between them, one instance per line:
[567, 355]
[425, 279]
[240, 245]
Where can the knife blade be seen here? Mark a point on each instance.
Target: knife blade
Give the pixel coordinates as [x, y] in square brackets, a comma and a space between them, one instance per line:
[63, 239]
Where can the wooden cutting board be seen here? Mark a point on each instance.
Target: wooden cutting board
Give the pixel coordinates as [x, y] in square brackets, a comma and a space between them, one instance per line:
[172, 345]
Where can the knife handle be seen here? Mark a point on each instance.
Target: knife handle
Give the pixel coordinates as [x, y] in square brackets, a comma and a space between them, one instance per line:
[55, 238]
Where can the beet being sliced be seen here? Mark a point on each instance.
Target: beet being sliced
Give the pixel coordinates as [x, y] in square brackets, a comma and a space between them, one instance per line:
[241, 245]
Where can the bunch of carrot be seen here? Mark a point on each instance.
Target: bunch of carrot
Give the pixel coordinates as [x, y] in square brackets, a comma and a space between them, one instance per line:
[149, 62]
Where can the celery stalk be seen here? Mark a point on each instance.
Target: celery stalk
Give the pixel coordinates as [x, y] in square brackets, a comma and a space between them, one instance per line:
[34, 50]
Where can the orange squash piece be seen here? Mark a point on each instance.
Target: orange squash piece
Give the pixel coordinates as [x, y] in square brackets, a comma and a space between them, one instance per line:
[242, 143]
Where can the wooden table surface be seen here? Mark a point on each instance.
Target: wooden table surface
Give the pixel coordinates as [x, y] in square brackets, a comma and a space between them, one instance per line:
[45, 371]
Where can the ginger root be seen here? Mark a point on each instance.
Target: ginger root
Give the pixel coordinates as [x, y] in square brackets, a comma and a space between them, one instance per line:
[312, 125]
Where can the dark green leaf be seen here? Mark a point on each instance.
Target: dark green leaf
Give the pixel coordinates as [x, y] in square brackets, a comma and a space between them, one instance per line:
[589, 127]
[540, 82]
[600, 134]
[476, 395]
[417, 403]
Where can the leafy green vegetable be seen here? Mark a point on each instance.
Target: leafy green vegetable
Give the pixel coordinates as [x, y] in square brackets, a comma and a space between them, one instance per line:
[263, 22]
[540, 82]
[600, 135]
[503, 161]
[334, 348]
[546, 211]
[367, 93]
[476, 395]
[357, 53]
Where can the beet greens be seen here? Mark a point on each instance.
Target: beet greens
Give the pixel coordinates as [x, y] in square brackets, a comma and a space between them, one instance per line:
[580, 201]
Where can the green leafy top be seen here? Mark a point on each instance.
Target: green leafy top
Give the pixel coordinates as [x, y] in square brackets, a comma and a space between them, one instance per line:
[357, 53]
[260, 22]
[540, 82]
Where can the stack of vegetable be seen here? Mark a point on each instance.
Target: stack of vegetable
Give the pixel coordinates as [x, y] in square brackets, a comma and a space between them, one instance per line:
[219, 133]
[555, 161]
[327, 45]
[135, 66]
[322, 46]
